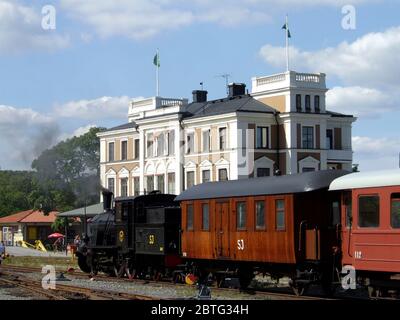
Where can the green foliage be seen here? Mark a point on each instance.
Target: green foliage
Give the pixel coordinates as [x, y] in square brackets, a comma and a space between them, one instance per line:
[65, 176]
[14, 188]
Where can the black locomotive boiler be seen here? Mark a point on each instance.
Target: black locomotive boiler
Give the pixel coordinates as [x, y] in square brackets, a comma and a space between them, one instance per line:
[138, 236]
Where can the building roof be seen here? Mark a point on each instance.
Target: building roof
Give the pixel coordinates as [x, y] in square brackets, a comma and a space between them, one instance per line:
[294, 183]
[242, 103]
[29, 216]
[80, 212]
[370, 179]
[128, 125]
[339, 115]
[39, 217]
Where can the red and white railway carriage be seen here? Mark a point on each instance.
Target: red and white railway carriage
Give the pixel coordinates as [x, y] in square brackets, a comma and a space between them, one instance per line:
[370, 233]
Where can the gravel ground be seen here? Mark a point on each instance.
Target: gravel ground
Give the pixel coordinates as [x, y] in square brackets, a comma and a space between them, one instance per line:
[12, 293]
[26, 252]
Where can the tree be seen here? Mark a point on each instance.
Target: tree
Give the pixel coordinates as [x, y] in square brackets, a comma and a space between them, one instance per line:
[67, 175]
[14, 188]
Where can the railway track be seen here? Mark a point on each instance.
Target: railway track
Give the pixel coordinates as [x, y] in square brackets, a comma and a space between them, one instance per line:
[78, 274]
[62, 291]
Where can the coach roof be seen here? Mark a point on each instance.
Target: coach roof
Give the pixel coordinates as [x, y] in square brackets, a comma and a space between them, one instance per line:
[371, 179]
[295, 183]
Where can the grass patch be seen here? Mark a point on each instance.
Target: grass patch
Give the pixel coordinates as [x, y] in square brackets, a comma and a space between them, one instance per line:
[60, 263]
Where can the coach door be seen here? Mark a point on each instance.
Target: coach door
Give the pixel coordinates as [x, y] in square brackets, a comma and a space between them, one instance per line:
[222, 229]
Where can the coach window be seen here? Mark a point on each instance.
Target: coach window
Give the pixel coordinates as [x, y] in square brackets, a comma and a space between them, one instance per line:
[368, 211]
[260, 215]
[280, 214]
[205, 217]
[241, 215]
[395, 211]
[189, 217]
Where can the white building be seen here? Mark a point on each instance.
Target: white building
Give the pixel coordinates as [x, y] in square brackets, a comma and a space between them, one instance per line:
[170, 144]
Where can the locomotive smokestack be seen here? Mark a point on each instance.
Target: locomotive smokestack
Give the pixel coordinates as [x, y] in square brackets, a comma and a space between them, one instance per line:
[107, 198]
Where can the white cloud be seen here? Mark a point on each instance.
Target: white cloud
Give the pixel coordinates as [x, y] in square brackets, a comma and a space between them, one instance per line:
[139, 19]
[376, 153]
[100, 108]
[132, 18]
[371, 60]
[361, 102]
[21, 30]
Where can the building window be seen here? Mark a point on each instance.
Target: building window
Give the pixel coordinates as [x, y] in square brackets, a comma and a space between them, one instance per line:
[136, 186]
[160, 183]
[317, 106]
[189, 217]
[190, 143]
[263, 172]
[222, 138]
[206, 141]
[395, 211]
[189, 179]
[206, 176]
[241, 215]
[150, 183]
[298, 102]
[150, 145]
[260, 215]
[205, 217]
[308, 169]
[111, 151]
[137, 149]
[262, 140]
[171, 183]
[368, 211]
[110, 185]
[160, 145]
[223, 174]
[280, 214]
[308, 137]
[124, 150]
[308, 103]
[329, 139]
[171, 143]
[124, 187]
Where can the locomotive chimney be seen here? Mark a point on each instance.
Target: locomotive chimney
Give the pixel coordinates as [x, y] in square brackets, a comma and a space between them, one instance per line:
[107, 198]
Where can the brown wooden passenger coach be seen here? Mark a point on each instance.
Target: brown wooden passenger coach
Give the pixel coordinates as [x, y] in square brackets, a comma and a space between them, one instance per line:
[285, 224]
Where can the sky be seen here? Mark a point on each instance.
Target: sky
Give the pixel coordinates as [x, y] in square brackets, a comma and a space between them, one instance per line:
[68, 65]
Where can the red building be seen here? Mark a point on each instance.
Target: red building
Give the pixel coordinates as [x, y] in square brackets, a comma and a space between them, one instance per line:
[27, 225]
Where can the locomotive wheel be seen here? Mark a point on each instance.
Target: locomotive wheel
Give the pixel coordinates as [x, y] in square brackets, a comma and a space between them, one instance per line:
[82, 263]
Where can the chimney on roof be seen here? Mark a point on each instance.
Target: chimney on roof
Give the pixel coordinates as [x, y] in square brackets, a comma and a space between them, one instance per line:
[199, 95]
[236, 89]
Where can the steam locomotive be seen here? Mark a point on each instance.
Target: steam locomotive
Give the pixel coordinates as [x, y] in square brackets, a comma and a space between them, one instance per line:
[304, 226]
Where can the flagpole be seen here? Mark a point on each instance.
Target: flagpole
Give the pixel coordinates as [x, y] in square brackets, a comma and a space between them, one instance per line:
[287, 44]
[157, 71]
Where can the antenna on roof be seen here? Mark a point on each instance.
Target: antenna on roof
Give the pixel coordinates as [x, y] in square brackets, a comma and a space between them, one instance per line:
[226, 76]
